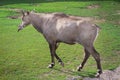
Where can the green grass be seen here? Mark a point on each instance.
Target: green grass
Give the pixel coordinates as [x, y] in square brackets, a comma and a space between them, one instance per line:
[25, 55]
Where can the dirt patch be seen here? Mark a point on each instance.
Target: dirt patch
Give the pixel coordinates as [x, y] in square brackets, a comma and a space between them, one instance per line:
[118, 12]
[46, 74]
[119, 22]
[117, 52]
[16, 10]
[93, 6]
[99, 20]
[14, 17]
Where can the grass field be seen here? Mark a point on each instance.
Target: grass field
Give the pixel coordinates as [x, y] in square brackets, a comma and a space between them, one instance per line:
[25, 55]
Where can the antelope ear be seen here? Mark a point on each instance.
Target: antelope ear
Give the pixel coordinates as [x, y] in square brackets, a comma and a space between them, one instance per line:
[26, 13]
[23, 13]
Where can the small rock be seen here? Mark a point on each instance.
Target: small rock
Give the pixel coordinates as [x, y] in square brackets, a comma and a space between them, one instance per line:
[107, 75]
[117, 70]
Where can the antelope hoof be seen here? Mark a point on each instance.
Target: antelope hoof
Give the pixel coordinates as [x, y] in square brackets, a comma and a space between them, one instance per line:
[61, 63]
[51, 65]
[98, 74]
[79, 68]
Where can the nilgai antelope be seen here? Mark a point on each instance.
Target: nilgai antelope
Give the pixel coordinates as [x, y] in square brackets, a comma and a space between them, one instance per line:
[59, 27]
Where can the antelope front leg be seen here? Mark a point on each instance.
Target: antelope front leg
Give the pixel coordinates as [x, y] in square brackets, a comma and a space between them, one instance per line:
[52, 51]
[59, 60]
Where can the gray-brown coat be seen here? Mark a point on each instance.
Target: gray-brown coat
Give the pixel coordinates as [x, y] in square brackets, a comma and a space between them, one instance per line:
[59, 27]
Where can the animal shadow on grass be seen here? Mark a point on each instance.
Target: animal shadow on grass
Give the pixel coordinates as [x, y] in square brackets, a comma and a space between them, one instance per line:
[76, 73]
